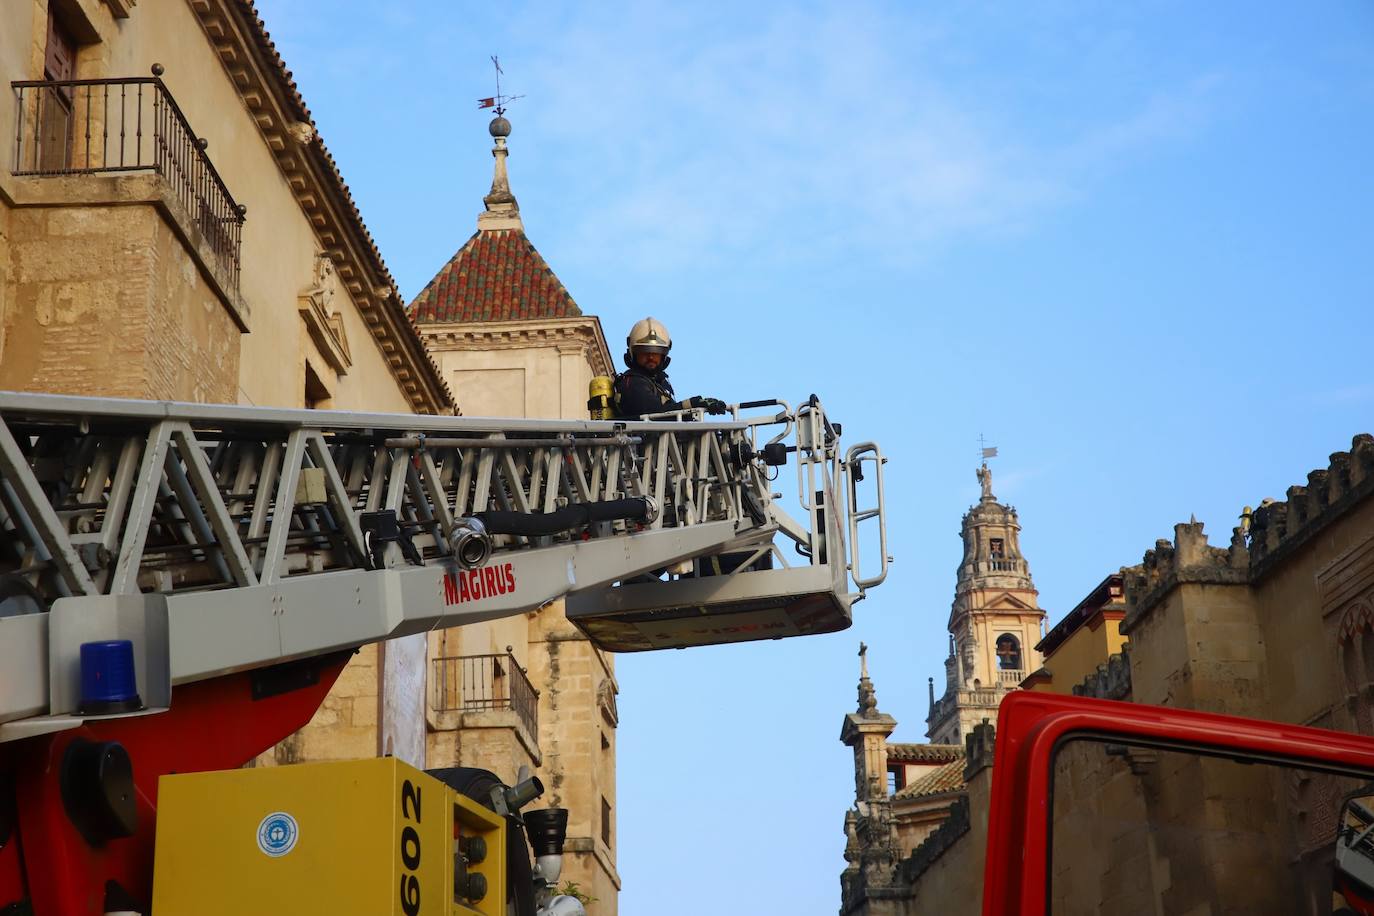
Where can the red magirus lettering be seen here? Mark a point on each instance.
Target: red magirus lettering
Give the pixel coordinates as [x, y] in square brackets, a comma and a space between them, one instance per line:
[477, 584]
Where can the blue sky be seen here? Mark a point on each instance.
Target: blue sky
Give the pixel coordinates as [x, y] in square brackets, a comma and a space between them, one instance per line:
[1129, 243]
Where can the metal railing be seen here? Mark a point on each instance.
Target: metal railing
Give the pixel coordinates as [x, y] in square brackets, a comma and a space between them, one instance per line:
[474, 683]
[83, 127]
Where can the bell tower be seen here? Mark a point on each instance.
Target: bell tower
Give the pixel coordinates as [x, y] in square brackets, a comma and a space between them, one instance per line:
[994, 621]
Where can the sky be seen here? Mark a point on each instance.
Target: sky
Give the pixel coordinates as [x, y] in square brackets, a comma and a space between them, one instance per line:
[1129, 244]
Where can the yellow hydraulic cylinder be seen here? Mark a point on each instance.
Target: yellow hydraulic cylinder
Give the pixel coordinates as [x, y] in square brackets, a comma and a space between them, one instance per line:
[599, 398]
[365, 837]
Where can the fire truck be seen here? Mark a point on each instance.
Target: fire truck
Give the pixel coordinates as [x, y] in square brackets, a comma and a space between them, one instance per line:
[181, 584]
[1101, 806]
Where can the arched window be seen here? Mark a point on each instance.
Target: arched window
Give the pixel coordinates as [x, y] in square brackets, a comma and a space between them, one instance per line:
[1008, 652]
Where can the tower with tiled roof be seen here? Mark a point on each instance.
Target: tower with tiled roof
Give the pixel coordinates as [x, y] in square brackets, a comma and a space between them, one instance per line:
[510, 341]
[994, 622]
[497, 275]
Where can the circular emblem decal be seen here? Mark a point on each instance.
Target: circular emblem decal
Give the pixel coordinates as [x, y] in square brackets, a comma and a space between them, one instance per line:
[277, 834]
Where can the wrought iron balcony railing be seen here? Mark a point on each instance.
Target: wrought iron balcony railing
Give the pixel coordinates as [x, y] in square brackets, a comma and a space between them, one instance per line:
[474, 683]
[79, 127]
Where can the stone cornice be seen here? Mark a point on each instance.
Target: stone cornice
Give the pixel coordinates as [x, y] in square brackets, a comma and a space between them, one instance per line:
[583, 331]
[855, 726]
[256, 70]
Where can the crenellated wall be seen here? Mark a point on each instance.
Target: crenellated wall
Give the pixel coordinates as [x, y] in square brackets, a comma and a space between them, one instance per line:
[1279, 528]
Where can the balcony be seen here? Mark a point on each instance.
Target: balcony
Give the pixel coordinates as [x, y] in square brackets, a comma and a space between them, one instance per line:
[123, 126]
[484, 683]
[1010, 677]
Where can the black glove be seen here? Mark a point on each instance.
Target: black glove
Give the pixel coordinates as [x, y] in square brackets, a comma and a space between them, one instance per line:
[710, 405]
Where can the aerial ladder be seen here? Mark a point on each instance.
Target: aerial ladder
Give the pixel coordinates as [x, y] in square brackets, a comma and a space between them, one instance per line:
[224, 562]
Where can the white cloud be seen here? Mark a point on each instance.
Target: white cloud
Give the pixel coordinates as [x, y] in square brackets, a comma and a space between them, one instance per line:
[686, 141]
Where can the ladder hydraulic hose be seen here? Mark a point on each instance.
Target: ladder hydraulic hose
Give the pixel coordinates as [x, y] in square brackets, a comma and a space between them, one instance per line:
[532, 524]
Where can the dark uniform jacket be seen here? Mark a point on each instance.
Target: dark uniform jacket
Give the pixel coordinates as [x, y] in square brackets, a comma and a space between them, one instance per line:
[639, 391]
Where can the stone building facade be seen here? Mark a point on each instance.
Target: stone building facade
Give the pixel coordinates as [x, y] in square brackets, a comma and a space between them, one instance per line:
[184, 236]
[1277, 625]
[994, 621]
[182, 232]
[172, 226]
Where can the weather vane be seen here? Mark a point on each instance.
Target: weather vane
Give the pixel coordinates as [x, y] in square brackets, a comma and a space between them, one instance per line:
[989, 451]
[498, 101]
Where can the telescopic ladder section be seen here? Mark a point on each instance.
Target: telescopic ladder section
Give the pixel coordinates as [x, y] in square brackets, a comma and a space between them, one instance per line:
[219, 538]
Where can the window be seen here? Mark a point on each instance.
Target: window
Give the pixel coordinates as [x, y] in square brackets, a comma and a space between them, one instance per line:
[1008, 652]
[896, 779]
[317, 396]
[995, 549]
[605, 821]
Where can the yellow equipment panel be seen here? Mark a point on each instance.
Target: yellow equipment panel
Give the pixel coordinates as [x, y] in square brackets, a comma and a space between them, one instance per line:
[365, 837]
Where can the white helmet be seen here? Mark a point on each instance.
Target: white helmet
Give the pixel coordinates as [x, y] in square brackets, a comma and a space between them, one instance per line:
[649, 336]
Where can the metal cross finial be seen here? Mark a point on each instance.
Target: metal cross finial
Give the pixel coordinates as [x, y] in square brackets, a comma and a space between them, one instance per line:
[863, 660]
[498, 101]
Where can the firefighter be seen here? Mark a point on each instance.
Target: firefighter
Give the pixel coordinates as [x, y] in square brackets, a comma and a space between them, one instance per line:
[644, 387]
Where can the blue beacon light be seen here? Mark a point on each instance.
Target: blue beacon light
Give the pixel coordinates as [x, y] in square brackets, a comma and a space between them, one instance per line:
[108, 684]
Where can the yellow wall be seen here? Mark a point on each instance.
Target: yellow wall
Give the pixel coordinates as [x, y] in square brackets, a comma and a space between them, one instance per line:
[1078, 656]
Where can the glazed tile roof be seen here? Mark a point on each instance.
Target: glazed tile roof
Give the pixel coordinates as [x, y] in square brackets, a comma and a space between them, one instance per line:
[947, 778]
[924, 753]
[497, 276]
